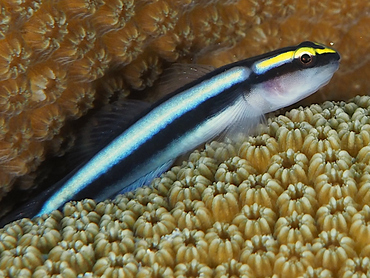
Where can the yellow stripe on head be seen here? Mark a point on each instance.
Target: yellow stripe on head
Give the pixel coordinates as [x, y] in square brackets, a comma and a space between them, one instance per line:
[273, 62]
[305, 52]
[302, 50]
[323, 49]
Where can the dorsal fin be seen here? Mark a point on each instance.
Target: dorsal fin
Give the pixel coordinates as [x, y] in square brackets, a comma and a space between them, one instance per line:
[178, 75]
[104, 126]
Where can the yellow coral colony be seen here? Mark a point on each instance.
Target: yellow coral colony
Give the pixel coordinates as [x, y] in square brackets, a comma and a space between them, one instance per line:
[292, 201]
[57, 57]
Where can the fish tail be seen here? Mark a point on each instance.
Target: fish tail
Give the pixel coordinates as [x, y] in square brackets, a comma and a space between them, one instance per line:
[28, 209]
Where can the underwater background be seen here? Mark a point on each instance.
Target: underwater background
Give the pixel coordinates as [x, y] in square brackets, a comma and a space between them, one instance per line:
[292, 201]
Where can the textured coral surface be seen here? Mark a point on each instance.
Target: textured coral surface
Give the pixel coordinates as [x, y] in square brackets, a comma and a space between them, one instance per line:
[292, 201]
[59, 56]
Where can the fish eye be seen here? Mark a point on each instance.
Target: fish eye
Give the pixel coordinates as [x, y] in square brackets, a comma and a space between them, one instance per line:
[306, 59]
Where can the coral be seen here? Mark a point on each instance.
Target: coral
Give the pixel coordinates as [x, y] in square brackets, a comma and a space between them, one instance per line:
[49, 269]
[295, 228]
[21, 257]
[299, 198]
[77, 255]
[316, 273]
[332, 249]
[355, 267]
[297, 214]
[337, 184]
[157, 222]
[59, 59]
[293, 260]
[260, 254]
[259, 150]
[190, 246]
[233, 269]
[233, 171]
[337, 214]
[260, 189]
[221, 200]
[192, 215]
[113, 239]
[255, 220]
[192, 269]
[116, 265]
[360, 228]
[289, 167]
[152, 250]
[224, 243]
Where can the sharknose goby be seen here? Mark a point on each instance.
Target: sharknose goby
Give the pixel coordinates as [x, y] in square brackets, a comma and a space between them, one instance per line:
[231, 97]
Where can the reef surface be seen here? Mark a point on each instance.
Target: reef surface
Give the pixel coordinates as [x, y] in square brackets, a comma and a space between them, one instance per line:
[291, 201]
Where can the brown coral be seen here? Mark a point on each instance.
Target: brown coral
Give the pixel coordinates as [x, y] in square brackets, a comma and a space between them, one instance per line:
[55, 58]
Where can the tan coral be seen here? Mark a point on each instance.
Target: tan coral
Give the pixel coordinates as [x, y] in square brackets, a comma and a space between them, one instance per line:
[260, 189]
[221, 200]
[157, 222]
[21, 257]
[363, 194]
[332, 249]
[324, 161]
[354, 136]
[194, 268]
[337, 184]
[260, 254]
[224, 242]
[293, 260]
[316, 273]
[220, 151]
[113, 239]
[289, 167]
[320, 139]
[153, 250]
[190, 246]
[255, 220]
[192, 215]
[49, 269]
[304, 218]
[43, 238]
[234, 171]
[80, 226]
[190, 188]
[115, 266]
[204, 166]
[355, 267]
[337, 214]
[290, 135]
[233, 268]
[360, 228]
[299, 198]
[295, 228]
[155, 270]
[78, 255]
[258, 151]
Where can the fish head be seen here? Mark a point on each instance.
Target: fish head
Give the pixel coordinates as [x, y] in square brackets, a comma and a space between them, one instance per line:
[287, 78]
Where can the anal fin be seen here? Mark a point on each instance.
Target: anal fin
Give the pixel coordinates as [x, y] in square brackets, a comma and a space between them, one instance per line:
[146, 179]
